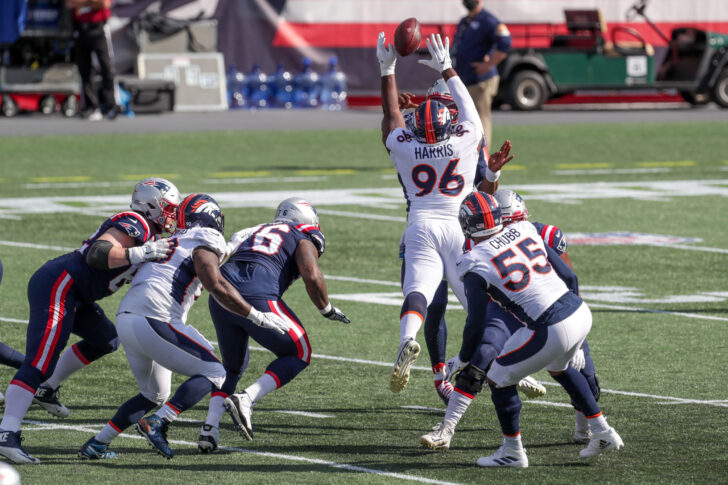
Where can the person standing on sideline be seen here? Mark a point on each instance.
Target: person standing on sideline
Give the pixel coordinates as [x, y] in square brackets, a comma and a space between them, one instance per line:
[481, 43]
[92, 36]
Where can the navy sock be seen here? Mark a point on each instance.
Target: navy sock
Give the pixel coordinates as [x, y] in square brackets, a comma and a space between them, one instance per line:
[435, 327]
[191, 392]
[508, 408]
[132, 411]
[579, 390]
[10, 357]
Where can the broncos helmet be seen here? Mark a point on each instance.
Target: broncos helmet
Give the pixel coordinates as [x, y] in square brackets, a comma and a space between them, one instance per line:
[432, 122]
[480, 215]
[200, 210]
[156, 199]
[512, 206]
[440, 92]
[297, 211]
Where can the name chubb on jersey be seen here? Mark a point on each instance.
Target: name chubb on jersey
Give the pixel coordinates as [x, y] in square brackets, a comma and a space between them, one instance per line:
[441, 151]
[504, 238]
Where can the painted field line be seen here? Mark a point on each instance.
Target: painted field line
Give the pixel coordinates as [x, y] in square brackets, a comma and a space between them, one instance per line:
[87, 428]
[303, 413]
[649, 310]
[13, 320]
[362, 215]
[611, 171]
[35, 246]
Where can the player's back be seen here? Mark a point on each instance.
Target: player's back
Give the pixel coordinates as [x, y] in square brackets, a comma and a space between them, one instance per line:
[519, 276]
[264, 265]
[90, 283]
[435, 177]
[166, 289]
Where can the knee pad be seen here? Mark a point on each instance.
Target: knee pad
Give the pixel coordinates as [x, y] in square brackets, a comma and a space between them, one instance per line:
[157, 398]
[414, 302]
[471, 379]
[216, 375]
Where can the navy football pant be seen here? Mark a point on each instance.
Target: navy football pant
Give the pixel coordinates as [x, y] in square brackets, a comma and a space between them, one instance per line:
[55, 313]
[10, 357]
[292, 350]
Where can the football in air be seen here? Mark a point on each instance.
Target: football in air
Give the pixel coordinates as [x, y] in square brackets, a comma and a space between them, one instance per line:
[407, 37]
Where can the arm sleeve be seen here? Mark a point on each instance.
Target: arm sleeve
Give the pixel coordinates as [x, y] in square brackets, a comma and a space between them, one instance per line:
[563, 270]
[465, 104]
[475, 290]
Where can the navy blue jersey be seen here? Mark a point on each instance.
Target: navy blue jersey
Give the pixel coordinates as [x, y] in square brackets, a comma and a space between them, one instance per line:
[91, 284]
[552, 236]
[263, 266]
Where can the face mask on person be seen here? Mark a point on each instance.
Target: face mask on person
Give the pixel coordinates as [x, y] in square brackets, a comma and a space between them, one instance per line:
[470, 4]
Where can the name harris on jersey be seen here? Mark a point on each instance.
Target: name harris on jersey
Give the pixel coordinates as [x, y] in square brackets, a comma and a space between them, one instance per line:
[425, 152]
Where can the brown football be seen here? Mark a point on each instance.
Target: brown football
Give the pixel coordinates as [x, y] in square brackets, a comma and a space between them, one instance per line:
[407, 37]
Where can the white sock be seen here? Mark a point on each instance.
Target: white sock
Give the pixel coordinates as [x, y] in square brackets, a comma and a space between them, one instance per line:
[457, 406]
[598, 423]
[69, 363]
[261, 387]
[168, 412]
[17, 401]
[513, 441]
[581, 422]
[215, 410]
[108, 433]
[409, 325]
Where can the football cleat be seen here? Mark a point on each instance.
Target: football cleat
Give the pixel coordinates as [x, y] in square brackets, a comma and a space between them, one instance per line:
[408, 351]
[208, 439]
[93, 449]
[505, 457]
[582, 436]
[10, 448]
[240, 408]
[47, 398]
[154, 429]
[531, 388]
[440, 436]
[601, 443]
[444, 390]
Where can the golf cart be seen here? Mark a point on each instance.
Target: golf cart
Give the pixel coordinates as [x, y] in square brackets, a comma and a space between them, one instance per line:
[695, 62]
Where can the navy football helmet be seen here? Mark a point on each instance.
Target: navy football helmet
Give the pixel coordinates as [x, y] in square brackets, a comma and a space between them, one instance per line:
[480, 215]
[512, 206]
[200, 210]
[432, 122]
[156, 199]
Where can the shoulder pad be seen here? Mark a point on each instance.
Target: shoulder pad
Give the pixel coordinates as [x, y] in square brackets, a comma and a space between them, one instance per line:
[553, 237]
[464, 264]
[133, 225]
[315, 235]
[207, 237]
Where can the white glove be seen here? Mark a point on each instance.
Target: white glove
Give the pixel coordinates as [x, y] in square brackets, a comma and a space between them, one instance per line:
[386, 55]
[268, 320]
[440, 53]
[150, 251]
[454, 366]
[333, 313]
[578, 361]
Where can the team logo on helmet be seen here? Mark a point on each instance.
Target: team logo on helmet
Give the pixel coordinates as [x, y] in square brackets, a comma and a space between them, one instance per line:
[156, 198]
[200, 210]
[432, 122]
[480, 215]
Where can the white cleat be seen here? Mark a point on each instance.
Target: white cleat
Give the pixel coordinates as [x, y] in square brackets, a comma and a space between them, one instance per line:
[531, 388]
[408, 351]
[505, 457]
[47, 398]
[439, 438]
[582, 436]
[240, 408]
[601, 443]
[11, 449]
[208, 439]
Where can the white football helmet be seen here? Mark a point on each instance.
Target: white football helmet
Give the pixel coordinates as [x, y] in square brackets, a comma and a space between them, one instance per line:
[297, 211]
[157, 200]
[440, 87]
[440, 92]
[512, 206]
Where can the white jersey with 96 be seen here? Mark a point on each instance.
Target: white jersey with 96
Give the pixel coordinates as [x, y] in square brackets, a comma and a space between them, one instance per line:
[436, 177]
[166, 289]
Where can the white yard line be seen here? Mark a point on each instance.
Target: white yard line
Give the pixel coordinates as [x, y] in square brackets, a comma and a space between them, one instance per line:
[90, 428]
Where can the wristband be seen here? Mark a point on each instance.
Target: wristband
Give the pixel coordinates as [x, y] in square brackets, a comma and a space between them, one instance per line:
[327, 309]
[491, 176]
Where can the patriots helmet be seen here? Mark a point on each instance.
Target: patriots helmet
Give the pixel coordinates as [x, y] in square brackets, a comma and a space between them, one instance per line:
[440, 92]
[200, 210]
[297, 211]
[156, 199]
[432, 122]
[480, 215]
[512, 206]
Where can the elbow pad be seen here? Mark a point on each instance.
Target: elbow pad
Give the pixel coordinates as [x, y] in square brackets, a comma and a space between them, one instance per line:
[503, 43]
[98, 254]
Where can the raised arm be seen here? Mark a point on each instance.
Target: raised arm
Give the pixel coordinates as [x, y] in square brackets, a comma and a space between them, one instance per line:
[392, 118]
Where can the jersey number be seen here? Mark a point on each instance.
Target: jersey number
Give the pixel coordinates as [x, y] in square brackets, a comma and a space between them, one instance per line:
[506, 269]
[425, 177]
[268, 242]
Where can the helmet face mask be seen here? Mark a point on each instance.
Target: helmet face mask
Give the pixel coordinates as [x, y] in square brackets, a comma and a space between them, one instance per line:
[296, 210]
[200, 210]
[157, 200]
[512, 206]
[432, 122]
[480, 215]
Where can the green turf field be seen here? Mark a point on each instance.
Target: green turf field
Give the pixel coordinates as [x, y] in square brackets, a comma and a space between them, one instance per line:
[660, 335]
